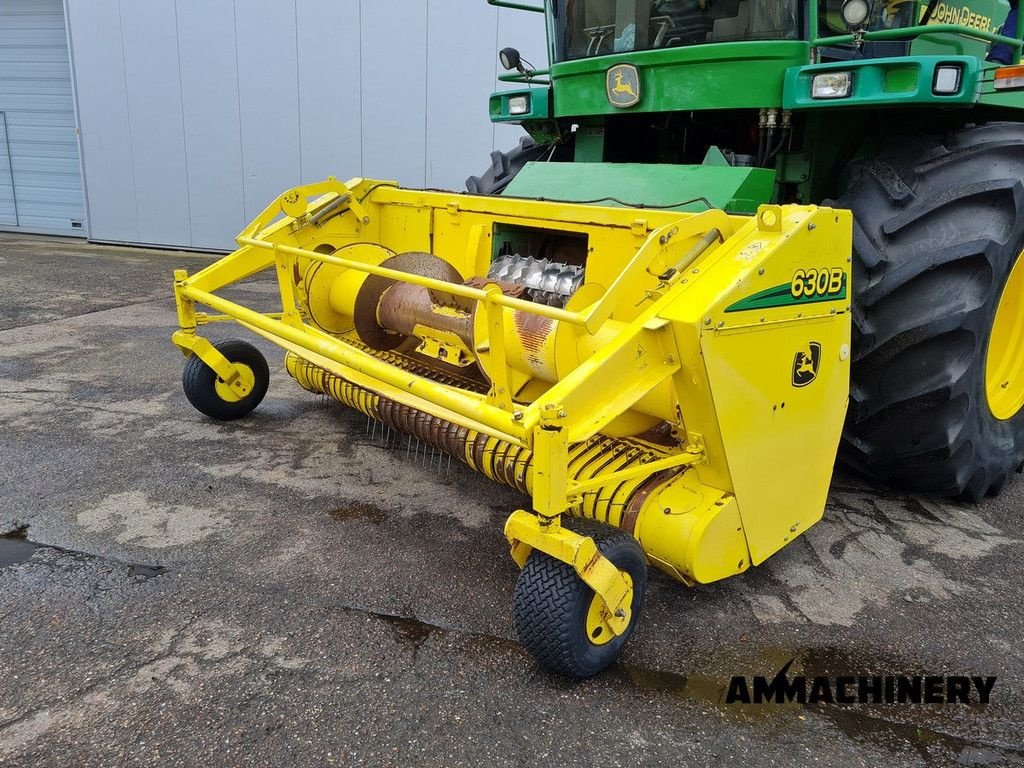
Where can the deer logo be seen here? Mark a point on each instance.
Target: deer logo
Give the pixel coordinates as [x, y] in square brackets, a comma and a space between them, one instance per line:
[623, 83]
[623, 87]
[805, 364]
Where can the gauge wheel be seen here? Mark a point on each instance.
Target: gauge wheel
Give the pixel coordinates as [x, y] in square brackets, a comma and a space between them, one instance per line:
[558, 617]
[210, 395]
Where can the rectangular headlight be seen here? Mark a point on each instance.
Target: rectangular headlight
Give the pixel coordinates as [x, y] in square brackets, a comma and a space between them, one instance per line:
[831, 85]
[519, 105]
[947, 79]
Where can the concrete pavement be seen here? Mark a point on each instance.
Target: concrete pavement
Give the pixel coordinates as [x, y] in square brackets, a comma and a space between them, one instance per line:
[286, 590]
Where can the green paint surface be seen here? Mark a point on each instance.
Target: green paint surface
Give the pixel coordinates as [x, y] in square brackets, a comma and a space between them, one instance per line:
[540, 105]
[991, 97]
[987, 15]
[894, 81]
[737, 190]
[711, 76]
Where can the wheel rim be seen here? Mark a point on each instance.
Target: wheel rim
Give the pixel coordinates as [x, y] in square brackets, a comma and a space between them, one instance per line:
[226, 393]
[598, 633]
[1004, 368]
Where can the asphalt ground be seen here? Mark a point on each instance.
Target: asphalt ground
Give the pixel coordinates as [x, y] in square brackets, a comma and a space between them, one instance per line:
[289, 591]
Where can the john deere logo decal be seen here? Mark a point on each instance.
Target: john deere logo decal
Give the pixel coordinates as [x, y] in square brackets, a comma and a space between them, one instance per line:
[623, 81]
[805, 364]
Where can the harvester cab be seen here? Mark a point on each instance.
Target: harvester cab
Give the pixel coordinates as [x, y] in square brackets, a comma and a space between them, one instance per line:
[663, 363]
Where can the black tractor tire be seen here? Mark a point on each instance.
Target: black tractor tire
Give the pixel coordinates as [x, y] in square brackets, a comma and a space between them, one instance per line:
[200, 381]
[551, 603]
[938, 225]
[505, 166]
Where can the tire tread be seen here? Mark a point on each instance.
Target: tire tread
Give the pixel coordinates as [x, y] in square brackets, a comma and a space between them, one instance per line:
[938, 225]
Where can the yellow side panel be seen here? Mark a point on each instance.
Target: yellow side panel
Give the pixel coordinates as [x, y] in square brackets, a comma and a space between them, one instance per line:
[780, 439]
[404, 229]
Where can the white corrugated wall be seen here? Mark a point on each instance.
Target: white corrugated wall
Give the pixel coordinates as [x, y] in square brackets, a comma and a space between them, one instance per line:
[197, 113]
[40, 175]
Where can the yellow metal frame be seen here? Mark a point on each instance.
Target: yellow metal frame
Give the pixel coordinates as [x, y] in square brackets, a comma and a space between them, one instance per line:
[614, 587]
[658, 336]
[234, 380]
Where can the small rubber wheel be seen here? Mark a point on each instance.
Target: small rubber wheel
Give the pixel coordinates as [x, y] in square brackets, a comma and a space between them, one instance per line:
[556, 612]
[211, 396]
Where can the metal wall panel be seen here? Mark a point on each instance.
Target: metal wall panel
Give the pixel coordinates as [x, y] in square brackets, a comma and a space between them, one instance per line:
[40, 174]
[153, 89]
[330, 93]
[197, 113]
[212, 120]
[8, 205]
[107, 157]
[458, 141]
[394, 89]
[268, 83]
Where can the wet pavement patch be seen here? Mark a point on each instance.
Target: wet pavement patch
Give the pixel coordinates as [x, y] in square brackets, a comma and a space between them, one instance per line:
[704, 690]
[15, 547]
[360, 511]
[146, 571]
[408, 630]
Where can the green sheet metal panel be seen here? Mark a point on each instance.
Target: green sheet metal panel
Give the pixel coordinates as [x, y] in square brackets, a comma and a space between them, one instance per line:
[895, 81]
[711, 76]
[734, 189]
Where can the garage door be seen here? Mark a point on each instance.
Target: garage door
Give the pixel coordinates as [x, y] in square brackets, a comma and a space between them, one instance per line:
[40, 176]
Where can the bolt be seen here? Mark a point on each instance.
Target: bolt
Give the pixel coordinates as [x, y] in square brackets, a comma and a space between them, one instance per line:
[562, 413]
[707, 321]
[760, 271]
[619, 613]
[517, 415]
[811, 227]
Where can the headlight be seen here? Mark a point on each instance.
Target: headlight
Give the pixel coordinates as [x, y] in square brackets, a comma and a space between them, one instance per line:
[831, 85]
[855, 13]
[947, 80]
[519, 105]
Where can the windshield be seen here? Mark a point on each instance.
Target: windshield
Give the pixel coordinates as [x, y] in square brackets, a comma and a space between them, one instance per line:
[600, 27]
